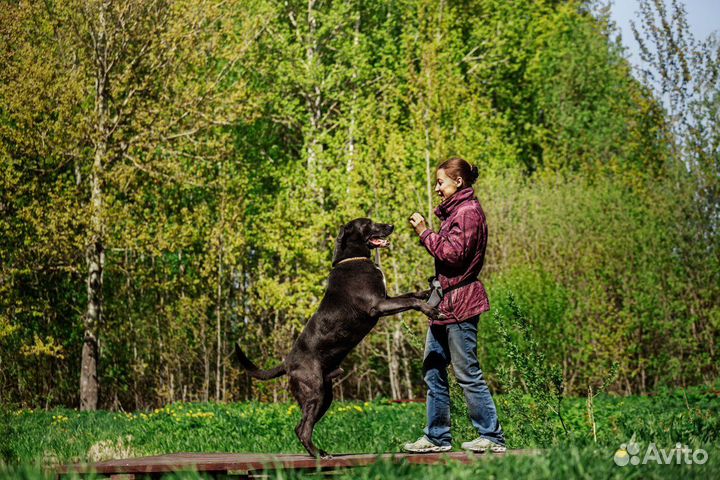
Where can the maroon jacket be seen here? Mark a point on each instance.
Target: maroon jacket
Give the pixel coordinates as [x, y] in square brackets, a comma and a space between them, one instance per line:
[459, 252]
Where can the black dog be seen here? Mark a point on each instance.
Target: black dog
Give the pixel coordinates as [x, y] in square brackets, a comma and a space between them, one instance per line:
[354, 300]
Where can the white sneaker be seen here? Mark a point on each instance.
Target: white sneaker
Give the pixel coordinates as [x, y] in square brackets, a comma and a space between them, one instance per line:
[479, 445]
[423, 445]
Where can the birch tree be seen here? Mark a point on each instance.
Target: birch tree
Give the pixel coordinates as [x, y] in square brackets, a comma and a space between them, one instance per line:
[147, 79]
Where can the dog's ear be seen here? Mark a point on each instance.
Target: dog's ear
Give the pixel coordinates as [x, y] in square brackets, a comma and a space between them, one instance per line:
[342, 237]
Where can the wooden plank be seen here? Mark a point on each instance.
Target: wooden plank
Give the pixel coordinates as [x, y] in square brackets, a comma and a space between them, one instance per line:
[245, 463]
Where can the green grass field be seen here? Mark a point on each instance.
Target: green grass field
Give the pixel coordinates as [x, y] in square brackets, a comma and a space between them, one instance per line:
[31, 439]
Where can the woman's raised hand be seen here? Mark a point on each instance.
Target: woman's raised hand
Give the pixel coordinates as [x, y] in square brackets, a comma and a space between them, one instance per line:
[418, 223]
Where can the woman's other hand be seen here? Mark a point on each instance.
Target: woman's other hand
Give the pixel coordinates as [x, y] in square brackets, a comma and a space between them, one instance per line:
[418, 223]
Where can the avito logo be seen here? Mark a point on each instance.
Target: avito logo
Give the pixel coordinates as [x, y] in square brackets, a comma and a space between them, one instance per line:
[629, 453]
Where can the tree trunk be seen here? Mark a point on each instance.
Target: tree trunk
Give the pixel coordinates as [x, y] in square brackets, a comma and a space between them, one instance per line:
[206, 363]
[218, 315]
[393, 367]
[95, 251]
[314, 105]
[350, 164]
[428, 172]
[399, 340]
[406, 366]
[95, 261]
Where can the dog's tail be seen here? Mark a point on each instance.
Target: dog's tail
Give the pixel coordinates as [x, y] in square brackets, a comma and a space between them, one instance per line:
[253, 370]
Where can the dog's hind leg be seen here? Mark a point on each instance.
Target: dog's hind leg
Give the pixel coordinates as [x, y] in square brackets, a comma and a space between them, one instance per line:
[324, 406]
[310, 393]
[327, 400]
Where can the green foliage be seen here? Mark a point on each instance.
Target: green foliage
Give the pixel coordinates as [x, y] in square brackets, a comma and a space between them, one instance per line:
[252, 130]
[604, 265]
[535, 385]
[544, 302]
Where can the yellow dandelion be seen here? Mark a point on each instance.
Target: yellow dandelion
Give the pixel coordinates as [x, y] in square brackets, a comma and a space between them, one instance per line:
[59, 419]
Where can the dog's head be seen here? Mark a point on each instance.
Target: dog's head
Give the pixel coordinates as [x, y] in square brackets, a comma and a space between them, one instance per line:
[358, 237]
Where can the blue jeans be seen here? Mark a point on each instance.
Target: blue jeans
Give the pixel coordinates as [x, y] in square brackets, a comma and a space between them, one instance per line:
[457, 344]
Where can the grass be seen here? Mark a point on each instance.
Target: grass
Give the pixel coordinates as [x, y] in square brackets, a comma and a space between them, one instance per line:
[32, 439]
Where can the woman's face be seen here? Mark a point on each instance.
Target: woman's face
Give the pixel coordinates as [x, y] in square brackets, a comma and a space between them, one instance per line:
[446, 186]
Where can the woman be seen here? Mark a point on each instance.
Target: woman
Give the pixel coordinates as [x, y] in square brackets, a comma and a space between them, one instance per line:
[459, 251]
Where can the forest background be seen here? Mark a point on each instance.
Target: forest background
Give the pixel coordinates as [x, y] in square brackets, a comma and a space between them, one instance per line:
[173, 175]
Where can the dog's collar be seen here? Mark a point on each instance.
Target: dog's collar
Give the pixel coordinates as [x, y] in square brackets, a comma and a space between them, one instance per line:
[351, 259]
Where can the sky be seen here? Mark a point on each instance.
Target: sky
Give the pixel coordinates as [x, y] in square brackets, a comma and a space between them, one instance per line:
[703, 18]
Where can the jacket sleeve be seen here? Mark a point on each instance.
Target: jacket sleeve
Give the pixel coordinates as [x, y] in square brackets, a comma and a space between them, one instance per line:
[455, 245]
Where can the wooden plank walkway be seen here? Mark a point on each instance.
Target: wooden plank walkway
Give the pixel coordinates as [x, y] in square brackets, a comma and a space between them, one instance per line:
[249, 465]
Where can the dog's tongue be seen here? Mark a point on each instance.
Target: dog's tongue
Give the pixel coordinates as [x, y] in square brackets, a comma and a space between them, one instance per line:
[379, 242]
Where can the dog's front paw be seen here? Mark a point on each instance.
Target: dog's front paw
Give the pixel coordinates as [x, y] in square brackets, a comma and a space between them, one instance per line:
[422, 294]
[434, 313]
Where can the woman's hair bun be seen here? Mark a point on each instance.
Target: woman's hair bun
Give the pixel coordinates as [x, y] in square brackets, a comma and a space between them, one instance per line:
[474, 174]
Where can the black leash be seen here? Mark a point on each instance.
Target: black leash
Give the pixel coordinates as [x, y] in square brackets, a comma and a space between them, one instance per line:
[437, 293]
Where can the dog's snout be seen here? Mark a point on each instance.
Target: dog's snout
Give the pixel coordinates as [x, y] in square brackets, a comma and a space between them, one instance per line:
[391, 228]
